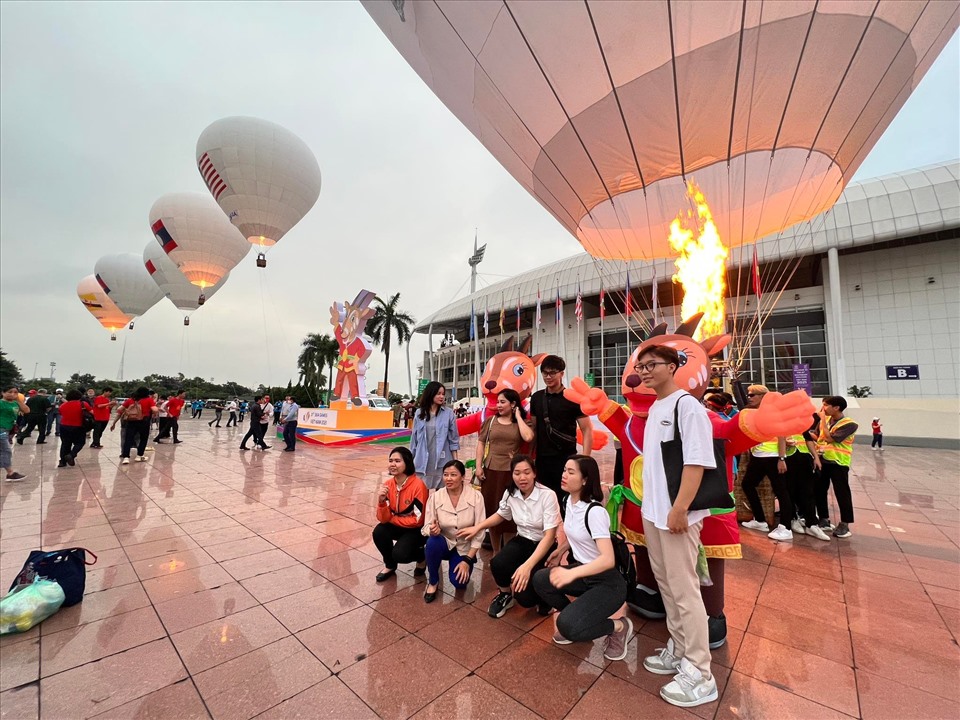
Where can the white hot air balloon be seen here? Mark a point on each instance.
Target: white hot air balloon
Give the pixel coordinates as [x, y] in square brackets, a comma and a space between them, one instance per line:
[263, 176]
[127, 283]
[101, 306]
[171, 282]
[196, 236]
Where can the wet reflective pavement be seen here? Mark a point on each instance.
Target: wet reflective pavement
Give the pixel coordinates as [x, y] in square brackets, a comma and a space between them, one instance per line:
[238, 585]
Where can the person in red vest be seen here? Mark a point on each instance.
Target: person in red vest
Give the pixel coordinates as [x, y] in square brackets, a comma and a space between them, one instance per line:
[877, 443]
[173, 406]
[102, 408]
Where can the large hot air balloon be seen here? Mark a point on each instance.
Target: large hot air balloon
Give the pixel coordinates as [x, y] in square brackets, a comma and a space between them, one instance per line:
[171, 282]
[263, 176]
[197, 237]
[101, 306]
[127, 283]
[602, 110]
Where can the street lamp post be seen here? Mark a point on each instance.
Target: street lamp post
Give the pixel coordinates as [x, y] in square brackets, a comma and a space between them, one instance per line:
[475, 260]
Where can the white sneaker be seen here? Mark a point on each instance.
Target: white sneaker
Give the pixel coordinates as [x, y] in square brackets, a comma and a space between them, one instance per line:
[141, 458]
[689, 688]
[125, 461]
[755, 525]
[874, 449]
[797, 526]
[149, 448]
[664, 662]
[816, 532]
[781, 534]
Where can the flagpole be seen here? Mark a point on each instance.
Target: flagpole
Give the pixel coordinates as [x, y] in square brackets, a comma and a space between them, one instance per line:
[578, 310]
[603, 359]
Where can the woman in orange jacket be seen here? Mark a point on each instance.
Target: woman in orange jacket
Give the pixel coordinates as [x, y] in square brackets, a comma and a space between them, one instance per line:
[401, 502]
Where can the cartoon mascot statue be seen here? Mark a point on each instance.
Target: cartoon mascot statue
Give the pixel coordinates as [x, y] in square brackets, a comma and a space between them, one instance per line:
[349, 321]
[777, 415]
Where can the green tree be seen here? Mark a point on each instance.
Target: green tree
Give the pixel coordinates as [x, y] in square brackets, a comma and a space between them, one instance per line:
[388, 319]
[9, 372]
[312, 361]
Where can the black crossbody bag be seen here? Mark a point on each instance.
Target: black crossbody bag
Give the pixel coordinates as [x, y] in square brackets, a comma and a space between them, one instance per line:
[552, 432]
[714, 491]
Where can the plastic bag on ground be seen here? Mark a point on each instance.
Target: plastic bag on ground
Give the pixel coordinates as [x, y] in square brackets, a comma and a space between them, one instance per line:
[27, 605]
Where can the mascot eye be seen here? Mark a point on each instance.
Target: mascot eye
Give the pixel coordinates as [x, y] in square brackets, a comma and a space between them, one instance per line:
[518, 370]
[683, 357]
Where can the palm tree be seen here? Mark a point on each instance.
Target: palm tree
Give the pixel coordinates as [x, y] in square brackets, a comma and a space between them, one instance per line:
[311, 361]
[387, 319]
[329, 351]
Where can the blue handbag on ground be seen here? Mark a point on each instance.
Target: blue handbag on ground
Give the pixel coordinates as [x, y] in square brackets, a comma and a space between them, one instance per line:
[66, 567]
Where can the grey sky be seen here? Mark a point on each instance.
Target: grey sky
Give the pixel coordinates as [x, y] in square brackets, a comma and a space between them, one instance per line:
[100, 109]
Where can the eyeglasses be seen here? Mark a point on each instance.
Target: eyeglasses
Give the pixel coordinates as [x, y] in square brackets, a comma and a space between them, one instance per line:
[549, 373]
[640, 367]
[755, 394]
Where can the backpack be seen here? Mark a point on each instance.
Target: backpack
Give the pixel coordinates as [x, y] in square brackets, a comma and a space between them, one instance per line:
[622, 557]
[133, 412]
[87, 422]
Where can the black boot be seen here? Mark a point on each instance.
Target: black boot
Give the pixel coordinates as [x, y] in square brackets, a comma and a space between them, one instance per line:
[718, 630]
[649, 605]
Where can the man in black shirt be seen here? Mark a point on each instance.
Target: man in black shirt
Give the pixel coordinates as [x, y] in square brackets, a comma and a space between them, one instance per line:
[37, 418]
[555, 421]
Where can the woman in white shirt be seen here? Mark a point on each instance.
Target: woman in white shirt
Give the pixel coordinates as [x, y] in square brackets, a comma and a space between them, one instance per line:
[536, 512]
[450, 509]
[591, 577]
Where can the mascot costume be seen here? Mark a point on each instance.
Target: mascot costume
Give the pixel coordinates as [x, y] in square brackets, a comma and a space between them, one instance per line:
[509, 369]
[512, 369]
[777, 415]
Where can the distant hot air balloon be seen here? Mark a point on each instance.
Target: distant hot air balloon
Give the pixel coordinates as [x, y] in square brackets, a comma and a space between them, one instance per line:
[95, 299]
[171, 282]
[127, 283]
[196, 236]
[602, 110]
[263, 176]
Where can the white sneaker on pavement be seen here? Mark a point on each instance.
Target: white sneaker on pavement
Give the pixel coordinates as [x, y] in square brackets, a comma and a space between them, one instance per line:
[125, 461]
[689, 688]
[817, 532]
[664, 662]
[781, 534]
[755, 525]
[797, 526]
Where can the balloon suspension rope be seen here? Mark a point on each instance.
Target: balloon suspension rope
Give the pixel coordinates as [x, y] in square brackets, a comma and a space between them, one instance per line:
[123, 355]
[263, 313]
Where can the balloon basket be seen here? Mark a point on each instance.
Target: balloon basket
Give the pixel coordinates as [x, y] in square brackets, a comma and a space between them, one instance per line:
[201, 300]
[186, 322]
[113, 337]
[130, 326]
[261, 260]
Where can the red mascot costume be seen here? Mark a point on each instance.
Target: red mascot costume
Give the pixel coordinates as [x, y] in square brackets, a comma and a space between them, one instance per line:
[777, 415]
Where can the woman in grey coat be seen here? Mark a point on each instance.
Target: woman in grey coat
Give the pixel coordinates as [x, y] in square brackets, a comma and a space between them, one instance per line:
[434, 440]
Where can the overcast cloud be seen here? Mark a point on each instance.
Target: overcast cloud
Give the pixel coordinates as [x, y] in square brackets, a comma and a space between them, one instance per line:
[100, 109]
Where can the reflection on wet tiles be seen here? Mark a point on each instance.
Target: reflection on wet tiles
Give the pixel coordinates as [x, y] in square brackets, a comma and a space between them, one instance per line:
[256, 573]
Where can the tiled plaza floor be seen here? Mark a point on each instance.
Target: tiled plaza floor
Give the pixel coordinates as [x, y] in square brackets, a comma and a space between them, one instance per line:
[236, 585]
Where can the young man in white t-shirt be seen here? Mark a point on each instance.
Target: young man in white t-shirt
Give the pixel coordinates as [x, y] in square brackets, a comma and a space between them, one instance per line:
[673, 533]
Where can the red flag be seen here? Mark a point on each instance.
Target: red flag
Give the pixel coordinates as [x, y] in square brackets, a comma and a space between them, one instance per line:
[755, 274]
[578, 308]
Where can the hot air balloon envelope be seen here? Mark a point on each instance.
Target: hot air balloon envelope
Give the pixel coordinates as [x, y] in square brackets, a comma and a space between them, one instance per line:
[601, 110]
[263, 176]
[96, 300]
[171, 282]
[127, 283]
[197, 237]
